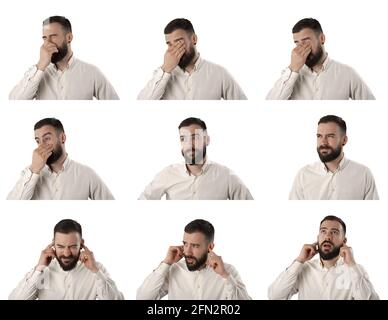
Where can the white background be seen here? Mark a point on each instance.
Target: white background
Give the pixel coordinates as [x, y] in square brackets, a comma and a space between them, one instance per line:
[128, 142]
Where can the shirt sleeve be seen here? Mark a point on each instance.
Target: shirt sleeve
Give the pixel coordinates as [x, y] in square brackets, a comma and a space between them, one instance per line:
[155, 88]
[370, 189]
[25, 187]
[103, 90]
[98, 189]
[106, 288]
[296, 192]
[156, 189]
[27, 289]
[362, 288]
[237, 189]
[155, 286]
[231, 89]
[358, 88]
[236, 289]
[284, 86]
[286, 285]
[27, 88]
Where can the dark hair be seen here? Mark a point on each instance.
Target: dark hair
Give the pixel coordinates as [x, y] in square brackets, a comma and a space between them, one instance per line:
[50, 122]
[334, 218]
[64, 22]
[179, 23]
[202, 226]
[337, 120]
[189, 121]
[67, 226]
[310, 23]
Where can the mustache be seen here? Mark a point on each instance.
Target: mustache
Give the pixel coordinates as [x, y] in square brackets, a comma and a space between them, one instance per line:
[325, 147]
[327, 241]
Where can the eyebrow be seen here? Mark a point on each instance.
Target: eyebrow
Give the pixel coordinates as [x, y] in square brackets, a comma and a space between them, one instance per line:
[46, 134]
[175, 40]
[307, 38]
[50, 35]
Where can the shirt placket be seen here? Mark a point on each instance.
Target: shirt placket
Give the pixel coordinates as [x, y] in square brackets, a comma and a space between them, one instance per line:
[68, 285]
[316, 86]
[61, 86]
[56, 185]
[198, 287]
[194, 187]
[188, 87]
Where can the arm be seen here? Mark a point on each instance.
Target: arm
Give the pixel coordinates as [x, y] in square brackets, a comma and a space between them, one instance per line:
[106, 288]
[358, 88]
[155, 88]
[103, 90]
[98, 189]
[28, 87]
[156, 189]
[370, 187]
[286, 285]
[25, 187]
[236, 289]
[237, 189]
[231, 89]
[284, 87]
[155, 286]
[362, 288]
[27, 289]
[297, 188]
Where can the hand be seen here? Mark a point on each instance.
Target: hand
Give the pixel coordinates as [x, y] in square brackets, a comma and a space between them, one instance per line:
[174, 254]
[307, 253]
[46, 51]
[40, 156]
[173, 55]
[299, 55]
[47, 255]
[87, 258]
[216, 263]
[347, 253]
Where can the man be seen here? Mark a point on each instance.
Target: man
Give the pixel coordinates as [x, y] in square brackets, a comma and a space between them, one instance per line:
[58, 75]
[198, 178]
[312, 75]
[67, 270]
[184, 75]
[335, 177]
[201, 276]
[52, 175]
[334, 276]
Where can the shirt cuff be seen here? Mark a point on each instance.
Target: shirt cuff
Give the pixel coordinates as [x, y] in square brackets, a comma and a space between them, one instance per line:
[35, 74]
[160, 74]
[288, 74]
[29, 176]
[295, 267]
[163, 269]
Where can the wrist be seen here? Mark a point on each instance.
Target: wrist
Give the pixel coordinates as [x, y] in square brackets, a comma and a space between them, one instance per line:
[41, 66]
[300, 260]
[166, 69]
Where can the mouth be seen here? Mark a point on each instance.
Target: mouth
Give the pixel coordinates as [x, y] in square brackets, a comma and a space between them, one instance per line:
[327, 247]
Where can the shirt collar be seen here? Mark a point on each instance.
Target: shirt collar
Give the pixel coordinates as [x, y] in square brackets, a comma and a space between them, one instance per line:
[341, 165]
[340, 261]
[66, 164]
[69, 64]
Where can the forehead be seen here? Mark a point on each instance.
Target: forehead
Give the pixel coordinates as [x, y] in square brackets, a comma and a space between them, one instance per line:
[304, 34]
[329, 224]
[51, 28]
[330, 127]
[191, 129]
[176, 35]
[67, 238]
[43, 130]
[195, 237]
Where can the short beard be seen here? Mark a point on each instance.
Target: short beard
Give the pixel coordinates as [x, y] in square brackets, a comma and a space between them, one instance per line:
[334, 154]
[68, 267]
[199, 263]
[56, 154]
[314, 58]
[334, 253]
[197, 156]
[187, 58]
[62, 52]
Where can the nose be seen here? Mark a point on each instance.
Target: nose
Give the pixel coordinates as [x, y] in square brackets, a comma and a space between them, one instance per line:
[188, 251]
[66, 252]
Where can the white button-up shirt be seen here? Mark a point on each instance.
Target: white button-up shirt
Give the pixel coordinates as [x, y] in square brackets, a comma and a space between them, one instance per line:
[351, 181]
[53, 283]
[216, 182]
[335, 81]
[208, 81]
[74, 182]
[79, 81]
[179, 283]
[312, 281]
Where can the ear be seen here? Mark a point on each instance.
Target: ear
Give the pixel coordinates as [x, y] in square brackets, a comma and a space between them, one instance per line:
[82, 243]
[322, 38]
[194, 39]
[345, 140]
[345, 240]
[211, 246]
[207, 140]
[63, 137]
[69, 37]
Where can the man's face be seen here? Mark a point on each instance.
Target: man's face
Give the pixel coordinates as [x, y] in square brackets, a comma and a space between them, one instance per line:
[195, 250]
[194, 141]
[67, 249]
[189, 44]
[309, 37]
[330, 239]
[330, 141]
[54, 33]
[48, 136]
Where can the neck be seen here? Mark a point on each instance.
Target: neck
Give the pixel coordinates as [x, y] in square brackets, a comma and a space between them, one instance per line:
[332, 166]
[195, 169]
[62, 65]
[318, 67]
[329, 263]
[58, 165]
[191, 65]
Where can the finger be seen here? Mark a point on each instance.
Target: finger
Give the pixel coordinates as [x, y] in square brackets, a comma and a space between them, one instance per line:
[50, 245]
[86, 249]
